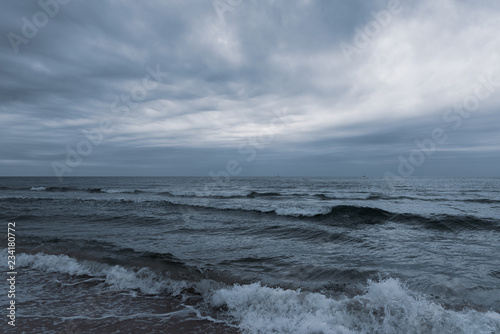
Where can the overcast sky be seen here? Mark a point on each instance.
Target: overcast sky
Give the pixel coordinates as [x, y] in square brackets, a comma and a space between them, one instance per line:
[247, 87]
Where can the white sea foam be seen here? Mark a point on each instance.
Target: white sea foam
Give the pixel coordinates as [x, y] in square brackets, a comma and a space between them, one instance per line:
[117, 191]
[38, 188]
[117, 277]
[210, 193]
[285, 209]
[52, 263]
[386, 307]
[121, 191]
[144, 280]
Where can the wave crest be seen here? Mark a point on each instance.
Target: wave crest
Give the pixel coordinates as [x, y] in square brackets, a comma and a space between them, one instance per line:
[385, 307]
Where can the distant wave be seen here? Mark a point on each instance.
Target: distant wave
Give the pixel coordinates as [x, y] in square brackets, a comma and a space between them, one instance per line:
[53, 189]
[432, 199]
[375, 197]
[225, 194]
[482, 200]
[38, 188]
[229, 194]
[122, 191]
[339, 214]
[265, 194]
[352, 215]
[88, 190]
[219, 195]
[232, 194]
[368, 215]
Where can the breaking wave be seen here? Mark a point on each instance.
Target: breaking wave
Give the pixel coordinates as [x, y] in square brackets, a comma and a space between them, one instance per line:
[386, 306]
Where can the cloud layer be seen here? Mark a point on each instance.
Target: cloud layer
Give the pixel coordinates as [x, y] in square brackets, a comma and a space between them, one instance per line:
[183, 87]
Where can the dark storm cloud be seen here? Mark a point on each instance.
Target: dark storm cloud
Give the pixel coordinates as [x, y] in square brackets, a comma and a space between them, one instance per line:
[186, 87]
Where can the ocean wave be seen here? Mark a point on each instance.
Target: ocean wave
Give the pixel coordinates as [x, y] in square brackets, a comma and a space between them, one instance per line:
[386, 306]
[52, 189]
[231, 194]
[352, 215]
[350, 211]
[339, 214]
[122, 191]
[302, 211]
[223, 194]
[88, 190]
[38, 188]
[109, 253]
[482, 200]
[253, 194]
[375, 197]
[116, 276]
[207, 195]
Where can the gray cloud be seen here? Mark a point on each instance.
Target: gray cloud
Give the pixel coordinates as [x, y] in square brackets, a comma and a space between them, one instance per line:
[223, 81]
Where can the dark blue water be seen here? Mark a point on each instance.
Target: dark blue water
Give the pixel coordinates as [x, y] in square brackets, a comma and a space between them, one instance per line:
[258, 255]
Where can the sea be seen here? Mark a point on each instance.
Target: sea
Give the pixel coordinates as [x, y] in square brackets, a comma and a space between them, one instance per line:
[307, 255]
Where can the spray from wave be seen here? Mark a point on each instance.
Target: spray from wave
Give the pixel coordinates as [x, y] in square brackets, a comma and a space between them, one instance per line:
[387, 306]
